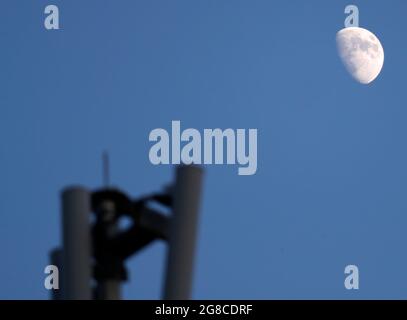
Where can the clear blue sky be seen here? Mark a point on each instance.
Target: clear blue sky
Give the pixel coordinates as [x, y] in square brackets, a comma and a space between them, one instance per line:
[331, 184]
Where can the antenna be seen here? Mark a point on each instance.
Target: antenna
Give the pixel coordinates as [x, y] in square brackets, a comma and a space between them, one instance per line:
[106, 169]
[94, 251]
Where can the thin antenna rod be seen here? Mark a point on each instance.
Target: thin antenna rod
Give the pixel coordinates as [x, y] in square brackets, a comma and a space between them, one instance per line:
[106, 169]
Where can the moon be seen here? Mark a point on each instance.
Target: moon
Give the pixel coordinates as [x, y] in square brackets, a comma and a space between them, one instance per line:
[361, 52]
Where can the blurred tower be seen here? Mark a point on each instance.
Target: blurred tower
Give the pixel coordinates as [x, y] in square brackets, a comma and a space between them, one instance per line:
[94, 249]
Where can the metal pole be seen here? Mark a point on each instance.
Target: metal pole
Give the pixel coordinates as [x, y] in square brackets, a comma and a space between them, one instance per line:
[183, 227]
[76, 256]
[56, 260]
[109, 289]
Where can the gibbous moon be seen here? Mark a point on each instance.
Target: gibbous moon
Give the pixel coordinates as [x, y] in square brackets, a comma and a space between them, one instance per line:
[361, 52]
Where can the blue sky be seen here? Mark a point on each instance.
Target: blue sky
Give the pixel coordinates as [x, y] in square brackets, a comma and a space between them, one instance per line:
[331, 180]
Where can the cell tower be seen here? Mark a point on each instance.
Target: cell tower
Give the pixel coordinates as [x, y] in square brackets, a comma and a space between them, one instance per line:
[94, 248]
